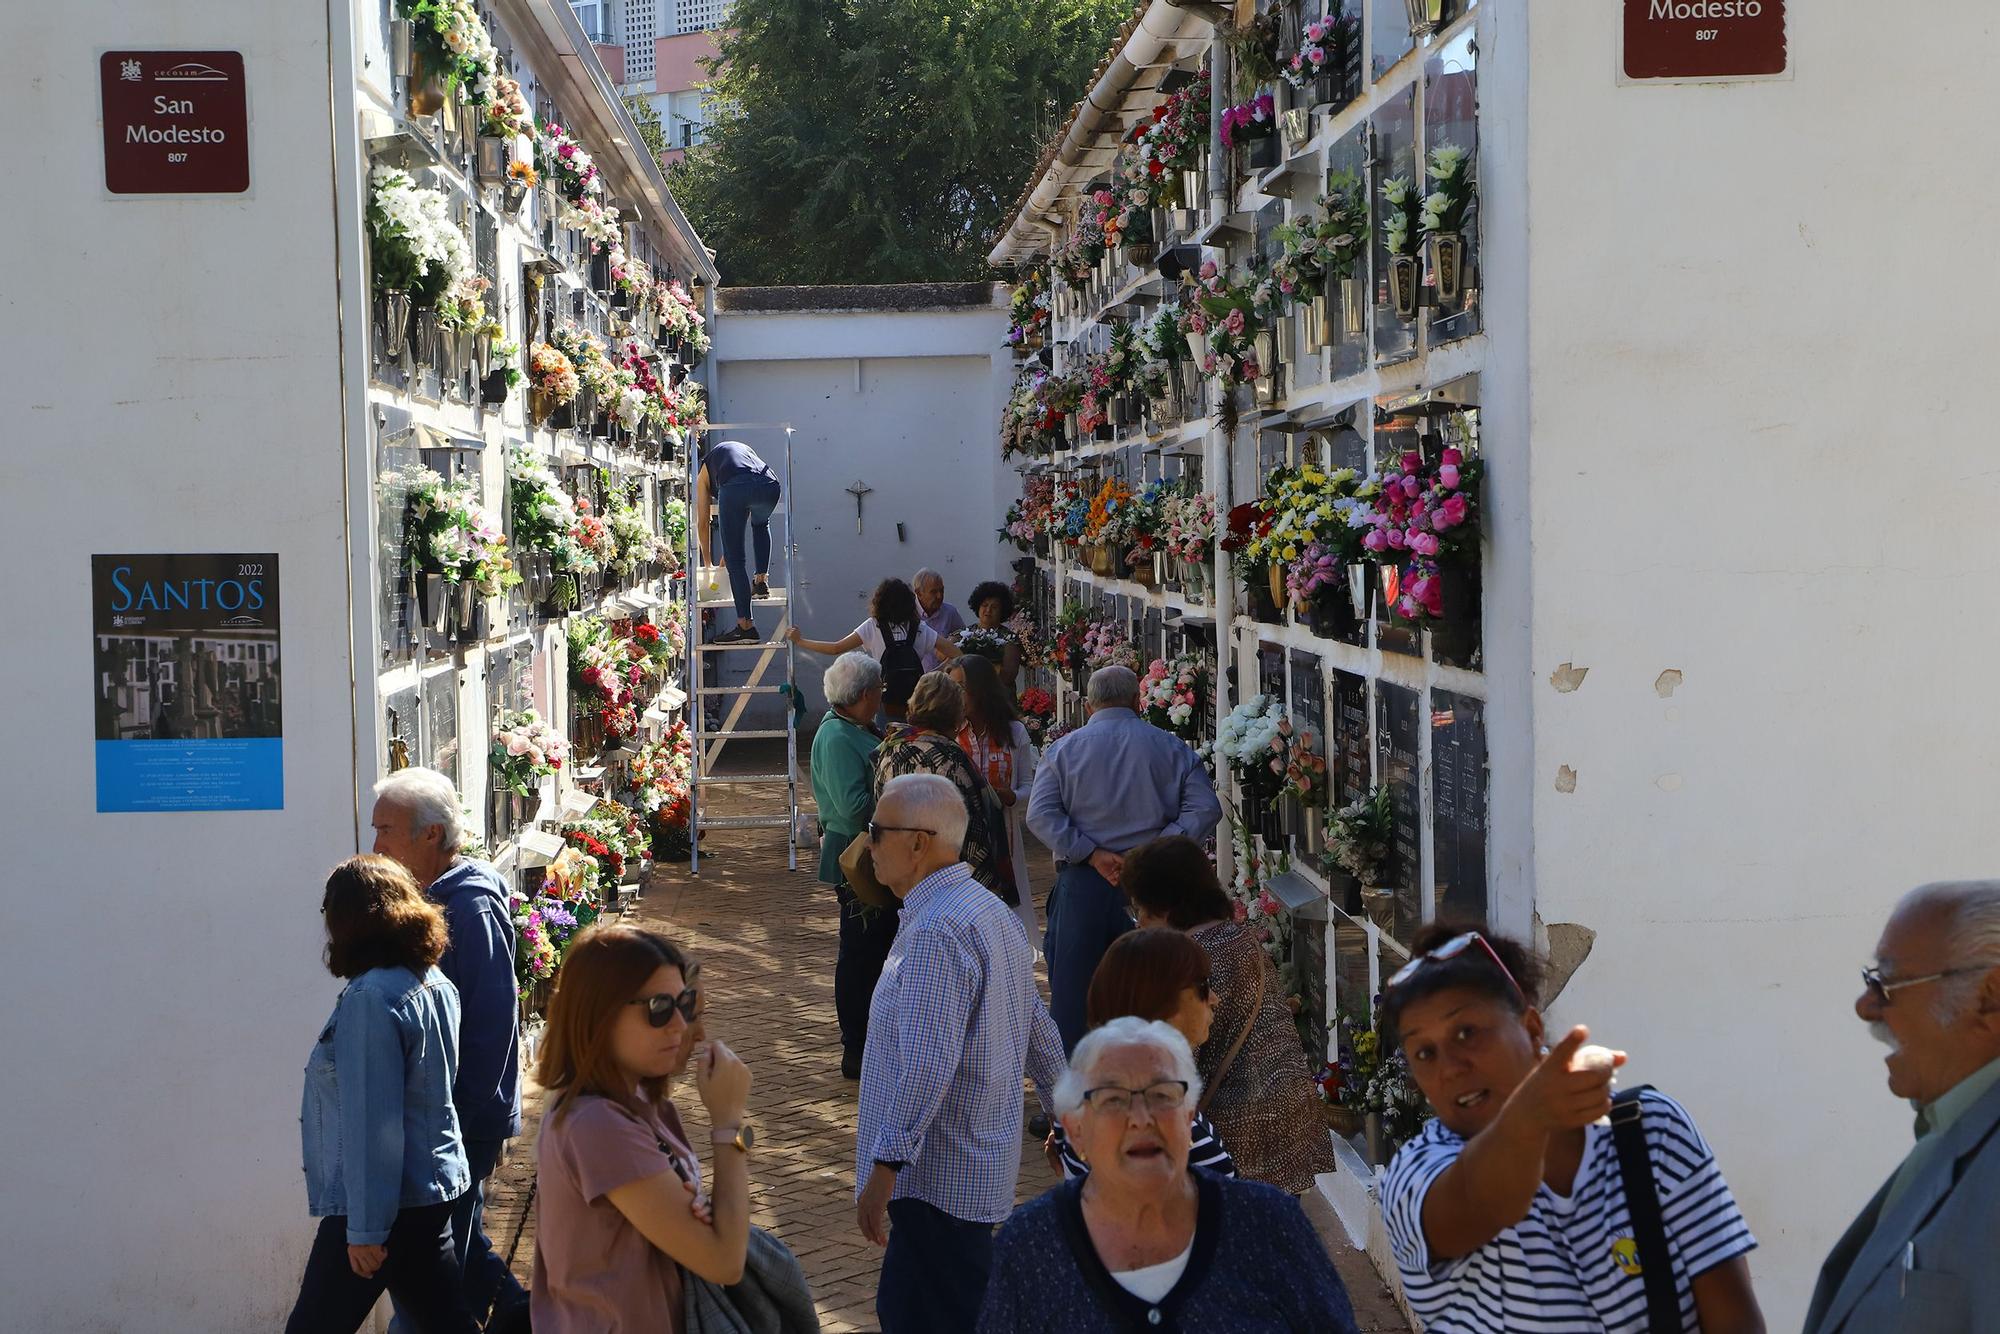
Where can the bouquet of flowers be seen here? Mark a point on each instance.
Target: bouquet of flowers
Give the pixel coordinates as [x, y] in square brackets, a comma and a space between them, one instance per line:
[1188, 519]
[413, 244]
[566, 165]
[1072, 625]
[1109, 512]
[1360, 834]
[1222, 327]
[1400, 226]
[1028, 308]
[454, 44]
[550, 372]
[507, 114]
[1305, 767]
[988, 644]
[1426, 516]
[1444, 208]
[1254, 119]
[1037, 707]
[450, 534]
[1105, 645]
[524, 751]
[462, 306]
[1326, 249]
[1173, 695]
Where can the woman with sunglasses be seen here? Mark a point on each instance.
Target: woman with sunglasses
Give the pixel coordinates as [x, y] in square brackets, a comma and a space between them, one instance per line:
[1154, 973]
[623, 1211]
[1508, 1210]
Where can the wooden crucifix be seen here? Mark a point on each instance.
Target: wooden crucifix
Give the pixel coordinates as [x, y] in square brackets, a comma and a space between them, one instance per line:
[858, 490]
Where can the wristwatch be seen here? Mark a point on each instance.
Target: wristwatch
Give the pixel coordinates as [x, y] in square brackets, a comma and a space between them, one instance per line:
[740, 1137]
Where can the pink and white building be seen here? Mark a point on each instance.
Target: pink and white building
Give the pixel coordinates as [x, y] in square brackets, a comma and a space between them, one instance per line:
[658, 49]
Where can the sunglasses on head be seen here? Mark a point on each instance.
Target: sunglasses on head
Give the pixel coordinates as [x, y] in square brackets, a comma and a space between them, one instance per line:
[1451, 949]
[660, 1009]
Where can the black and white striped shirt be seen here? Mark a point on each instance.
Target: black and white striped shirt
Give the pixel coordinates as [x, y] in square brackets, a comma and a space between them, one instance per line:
[1205, 1150]
[1571, 1265]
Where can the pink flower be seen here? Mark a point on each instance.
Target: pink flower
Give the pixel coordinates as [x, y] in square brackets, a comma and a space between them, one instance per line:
[1451, 458]
[1424, 544]
[1448, 476]
[1208, 268]
[1317, 56]
[1412, 460]
[1374, 540]
[1234, 323]
[1412, 488]
[1241, 912]
[1397, 541]
[1451, 513]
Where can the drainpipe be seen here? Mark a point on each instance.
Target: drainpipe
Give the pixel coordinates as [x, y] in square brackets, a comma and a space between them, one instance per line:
[1219, 202]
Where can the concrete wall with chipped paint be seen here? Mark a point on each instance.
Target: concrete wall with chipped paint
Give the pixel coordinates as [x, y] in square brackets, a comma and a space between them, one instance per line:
[1763, 498]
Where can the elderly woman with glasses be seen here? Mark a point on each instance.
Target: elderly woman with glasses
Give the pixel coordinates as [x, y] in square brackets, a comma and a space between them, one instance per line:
[1510, 1209]
[1142, 1242]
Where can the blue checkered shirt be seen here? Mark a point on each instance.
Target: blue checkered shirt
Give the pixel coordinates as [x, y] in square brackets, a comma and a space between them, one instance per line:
[955, 1022]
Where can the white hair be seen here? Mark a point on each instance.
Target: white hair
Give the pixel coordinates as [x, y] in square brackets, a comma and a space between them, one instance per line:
[927, 801]
[1970, 913]
[430, 799]
[1125, 1031]
[851, 676]
[924, 576]
[1112, 686]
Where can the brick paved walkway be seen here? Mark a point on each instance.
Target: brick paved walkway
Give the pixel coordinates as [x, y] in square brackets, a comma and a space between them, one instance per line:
[766, 938]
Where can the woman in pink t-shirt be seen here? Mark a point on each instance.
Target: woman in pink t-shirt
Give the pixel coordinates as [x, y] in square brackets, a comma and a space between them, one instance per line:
[622, 1207]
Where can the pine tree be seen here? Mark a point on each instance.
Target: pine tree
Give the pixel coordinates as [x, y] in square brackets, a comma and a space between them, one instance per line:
[877, 141]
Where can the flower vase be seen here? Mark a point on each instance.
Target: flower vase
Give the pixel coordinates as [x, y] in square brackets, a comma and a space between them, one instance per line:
[1295, 123]
[395, 323]
[425, 351]
[513, 194]
[1426, 16]
[1292, 814]
[1287, 340]
[1159, 564]
[1260, 154]
[400, 48]
[434, 605]
[1455, 634]
[1103, 560]
[1306, 333]
[541, 403]
[1357, 590]
[492, 159]
[1353, 308]
[1344, 890]
[1269, 359]
[1194, 580]
[1405, 286]
[1319, 318]
[1375, 1134]
[1379, 906]
[1198, 347]
[1139, 253]
[1115, 412]
[1448, 265]
[1191, 191]
[426, 89]
[1345, 1122]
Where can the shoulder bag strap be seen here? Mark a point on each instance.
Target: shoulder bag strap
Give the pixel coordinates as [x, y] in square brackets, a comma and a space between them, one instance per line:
[1642, 1201]
[1229, 1059]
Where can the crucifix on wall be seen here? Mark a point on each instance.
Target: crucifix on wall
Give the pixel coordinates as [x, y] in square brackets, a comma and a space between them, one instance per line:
[858, 490]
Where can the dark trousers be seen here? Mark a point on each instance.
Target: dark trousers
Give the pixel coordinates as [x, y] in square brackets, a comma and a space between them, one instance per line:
[421, 1274]
[1086, 913]
[865, 937]
[934, 1272]
[746, 501]
[488, 1281]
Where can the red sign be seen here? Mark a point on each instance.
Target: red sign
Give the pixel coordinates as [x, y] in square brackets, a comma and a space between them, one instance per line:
[175, 122]
[1704, 39]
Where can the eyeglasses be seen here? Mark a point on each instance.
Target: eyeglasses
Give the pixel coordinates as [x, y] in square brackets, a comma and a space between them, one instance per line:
[1883, 990]
[1168, 1095]
[875, 831]
[1451, 949]
[660, 1009]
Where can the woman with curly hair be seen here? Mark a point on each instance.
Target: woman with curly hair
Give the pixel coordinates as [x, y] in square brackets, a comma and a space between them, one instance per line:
[926, 744]
[992, 606]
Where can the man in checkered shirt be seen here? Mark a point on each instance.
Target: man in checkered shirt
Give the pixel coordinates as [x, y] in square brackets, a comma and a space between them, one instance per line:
[955, 1022]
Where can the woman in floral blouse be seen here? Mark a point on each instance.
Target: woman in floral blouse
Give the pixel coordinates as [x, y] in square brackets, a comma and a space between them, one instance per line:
[926, 744]
[996, 742]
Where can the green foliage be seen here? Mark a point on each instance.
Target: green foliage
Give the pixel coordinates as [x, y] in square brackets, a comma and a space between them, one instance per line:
[648, 120]
[881, 140]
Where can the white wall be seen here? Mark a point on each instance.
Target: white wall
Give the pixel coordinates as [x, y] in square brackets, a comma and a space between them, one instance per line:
[171, 384]
[1762, 458]
[907, 402]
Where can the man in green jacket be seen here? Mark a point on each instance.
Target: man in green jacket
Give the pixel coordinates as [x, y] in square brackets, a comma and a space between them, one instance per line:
[843, 787]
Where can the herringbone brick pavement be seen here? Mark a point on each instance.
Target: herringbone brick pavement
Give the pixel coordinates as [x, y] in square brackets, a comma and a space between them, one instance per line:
[766, 938]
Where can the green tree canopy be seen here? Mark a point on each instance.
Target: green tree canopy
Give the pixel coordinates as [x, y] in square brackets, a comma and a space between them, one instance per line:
[877, 141]
[648, 120]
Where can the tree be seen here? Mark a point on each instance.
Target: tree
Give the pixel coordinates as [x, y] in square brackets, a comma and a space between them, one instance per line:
[648, 121]
[875, 141]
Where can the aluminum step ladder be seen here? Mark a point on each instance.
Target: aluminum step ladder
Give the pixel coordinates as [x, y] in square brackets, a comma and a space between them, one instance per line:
[772, 671]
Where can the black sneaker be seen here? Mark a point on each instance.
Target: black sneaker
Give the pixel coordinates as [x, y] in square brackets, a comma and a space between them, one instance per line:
[1038, 1126]
[760, 586]
[742, 634]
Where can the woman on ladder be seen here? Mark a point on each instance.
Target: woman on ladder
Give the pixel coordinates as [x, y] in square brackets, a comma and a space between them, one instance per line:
[745, 490]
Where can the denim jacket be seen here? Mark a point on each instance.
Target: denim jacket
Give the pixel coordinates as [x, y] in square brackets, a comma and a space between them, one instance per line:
[377, 1122]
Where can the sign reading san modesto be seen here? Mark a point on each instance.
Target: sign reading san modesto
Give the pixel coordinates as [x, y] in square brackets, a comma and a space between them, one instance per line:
[175, 122]
[1704, 40]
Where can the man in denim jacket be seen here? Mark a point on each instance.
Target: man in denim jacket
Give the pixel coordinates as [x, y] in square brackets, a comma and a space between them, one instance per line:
[416, 822]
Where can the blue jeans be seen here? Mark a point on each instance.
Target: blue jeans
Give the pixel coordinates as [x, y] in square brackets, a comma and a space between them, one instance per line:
[488, 1281]
[746, 500]
[420, 1273]
[934, 1271]
[1086, 913]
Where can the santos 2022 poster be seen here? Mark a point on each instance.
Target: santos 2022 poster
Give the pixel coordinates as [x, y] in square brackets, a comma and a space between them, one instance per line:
[187, 675]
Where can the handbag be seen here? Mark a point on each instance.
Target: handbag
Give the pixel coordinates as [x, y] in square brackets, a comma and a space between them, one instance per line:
[1229, 1059]
[857, 864]
[771, 1298]
[1642, 1201]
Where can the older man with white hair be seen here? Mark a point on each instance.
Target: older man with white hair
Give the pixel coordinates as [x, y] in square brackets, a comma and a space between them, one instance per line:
[417, 822]
[955, 1023]
[1920, 1256]
[1143, 1242]
[939, 615]
[1101, 791]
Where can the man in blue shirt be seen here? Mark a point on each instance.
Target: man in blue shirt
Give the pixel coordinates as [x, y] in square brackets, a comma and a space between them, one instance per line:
[954, 1024]
[1101, 791]
[416, 821]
